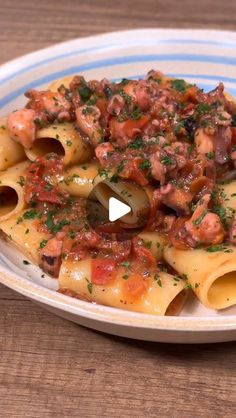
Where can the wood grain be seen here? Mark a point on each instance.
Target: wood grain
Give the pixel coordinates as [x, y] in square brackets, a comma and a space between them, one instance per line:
[50, 367]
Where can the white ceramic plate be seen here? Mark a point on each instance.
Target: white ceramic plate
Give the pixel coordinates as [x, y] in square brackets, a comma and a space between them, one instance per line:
[204, 57]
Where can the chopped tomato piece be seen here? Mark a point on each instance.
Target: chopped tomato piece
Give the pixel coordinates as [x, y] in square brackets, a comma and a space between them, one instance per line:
[133, 171]
[103, 271]
[129, 129]
[135, 287]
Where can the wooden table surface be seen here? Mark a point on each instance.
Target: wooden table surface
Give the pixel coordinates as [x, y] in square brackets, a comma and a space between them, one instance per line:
[50, 367]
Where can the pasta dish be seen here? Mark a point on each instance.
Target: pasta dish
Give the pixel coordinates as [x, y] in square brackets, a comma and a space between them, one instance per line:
[161, 146]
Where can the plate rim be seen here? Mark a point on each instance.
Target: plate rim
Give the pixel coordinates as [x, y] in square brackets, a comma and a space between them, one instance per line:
[101, 313]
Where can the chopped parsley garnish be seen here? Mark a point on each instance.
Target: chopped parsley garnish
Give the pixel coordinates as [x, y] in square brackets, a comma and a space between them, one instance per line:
[84, 92]
[137, 144]
[32, 214]
[68, 143]
[219, 248]
[21, 181]
[87, 110]
[72, 234]
[48, 187]
[188, 286]
[103, 173]
[179, 85]
[201, 217]
[43, 243]
[126, 97]
[157, 279]
[136, 114]
[148, 244]
[39, 122]
[120, 166]
[210, 155]
[166, 160]
[125, 264]
[203, 108]
[92, 101]
[55, 227]
[145, 165]
[90, 287]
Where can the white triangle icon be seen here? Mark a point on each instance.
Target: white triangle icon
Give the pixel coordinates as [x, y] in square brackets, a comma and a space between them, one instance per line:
[117, 209]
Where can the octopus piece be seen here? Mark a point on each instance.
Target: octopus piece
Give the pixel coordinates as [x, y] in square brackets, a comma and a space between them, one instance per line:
[21, 127]
[104, 153]
[87, 118]
[222, 141]
[177, 199]
[158, 170]
[205, 227]
[115, 105]
[51, 257]
[204, 142]
[49, 105]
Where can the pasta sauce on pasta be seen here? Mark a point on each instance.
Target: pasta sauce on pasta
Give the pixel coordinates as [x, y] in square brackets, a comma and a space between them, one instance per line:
[164, 135]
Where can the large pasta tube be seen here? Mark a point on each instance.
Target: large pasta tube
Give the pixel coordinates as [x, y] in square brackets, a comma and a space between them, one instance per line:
[10, 151]
[129, 193]
[75, 277]
[21, 231]
[78, 180]
[155, 242]
[11, 190]
[228, 195]
[64, 140]
[211, 273]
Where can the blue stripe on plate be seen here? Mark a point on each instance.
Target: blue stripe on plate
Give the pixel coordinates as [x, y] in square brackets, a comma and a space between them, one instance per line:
[118, 61]
[100, 48]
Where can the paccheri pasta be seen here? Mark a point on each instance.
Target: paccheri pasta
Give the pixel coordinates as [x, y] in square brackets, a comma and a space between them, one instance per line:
[163, 147]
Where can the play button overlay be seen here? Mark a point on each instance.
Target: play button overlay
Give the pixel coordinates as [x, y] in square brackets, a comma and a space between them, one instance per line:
[117, 209]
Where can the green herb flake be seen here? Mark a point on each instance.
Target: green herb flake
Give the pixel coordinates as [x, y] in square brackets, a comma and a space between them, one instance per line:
[201, 217]
[188, 286]
[125, 276]
[120, 167]
[137, 144]
[90, 287]
[203, 108]
[48, 187]
[43, 243]
[148, 244]
[68, 143]
[158, 279]
[210, 155]
[84, 92]
[125, 264]
[179, 85]
[21, 181]
[145, 165]
[219, 248]
[32, 214]
[166, 160]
